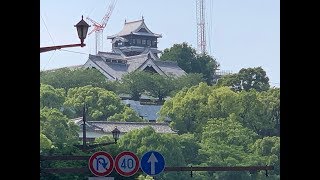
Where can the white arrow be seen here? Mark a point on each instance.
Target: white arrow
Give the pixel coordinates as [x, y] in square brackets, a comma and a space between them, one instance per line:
[152, 159]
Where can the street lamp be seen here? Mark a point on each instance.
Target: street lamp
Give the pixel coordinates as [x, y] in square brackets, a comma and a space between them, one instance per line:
[115, 134]
[82, 29]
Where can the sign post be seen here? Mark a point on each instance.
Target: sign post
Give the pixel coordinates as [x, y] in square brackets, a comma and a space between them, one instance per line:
[101, 163]
[127, 163]
[152, 163]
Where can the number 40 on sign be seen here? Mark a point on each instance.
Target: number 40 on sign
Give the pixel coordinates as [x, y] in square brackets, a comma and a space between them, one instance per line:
[127, 163]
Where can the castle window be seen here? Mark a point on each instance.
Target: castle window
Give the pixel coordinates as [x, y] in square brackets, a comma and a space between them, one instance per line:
[133, 41]
[149, 43]
[144, 41]
[154, 43]
[138, 41]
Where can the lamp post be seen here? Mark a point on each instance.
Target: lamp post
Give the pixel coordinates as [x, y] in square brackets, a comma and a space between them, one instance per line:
[82, 29]
[115, 134]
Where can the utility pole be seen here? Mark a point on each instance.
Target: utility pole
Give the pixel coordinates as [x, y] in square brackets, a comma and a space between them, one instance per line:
[84, 136]
[85, 146]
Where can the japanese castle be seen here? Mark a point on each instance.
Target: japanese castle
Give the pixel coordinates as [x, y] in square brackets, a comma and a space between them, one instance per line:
[134, 48]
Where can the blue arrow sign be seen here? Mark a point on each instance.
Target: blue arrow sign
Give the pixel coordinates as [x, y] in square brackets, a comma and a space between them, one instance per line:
[152, 163]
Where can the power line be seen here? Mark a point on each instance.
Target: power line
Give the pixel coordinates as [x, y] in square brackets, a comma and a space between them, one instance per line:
[47, 29]
[73, 51]
[50, 59]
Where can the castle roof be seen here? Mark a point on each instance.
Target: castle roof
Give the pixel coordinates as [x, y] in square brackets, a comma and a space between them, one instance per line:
[114, 66]
[135, 27]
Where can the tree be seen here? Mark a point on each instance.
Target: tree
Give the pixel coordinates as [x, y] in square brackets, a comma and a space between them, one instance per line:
[57, 128]
[143, 140]
[51, 97]
[134, 83]
[45, 143]
[246, 79]
[225, 142]
[268, 149]
[190, 61]
[101, 103]
[187, 109]
[206, 65]
[159, 86]
[190, 147]
[271, 101]
[67, 78]
[254, 114]
[183, 54]
[186, 81]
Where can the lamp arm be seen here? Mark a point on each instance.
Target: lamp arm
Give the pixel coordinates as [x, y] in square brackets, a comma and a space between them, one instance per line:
[51, 48]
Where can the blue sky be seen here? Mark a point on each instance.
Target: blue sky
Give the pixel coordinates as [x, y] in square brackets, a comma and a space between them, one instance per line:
[240, 33]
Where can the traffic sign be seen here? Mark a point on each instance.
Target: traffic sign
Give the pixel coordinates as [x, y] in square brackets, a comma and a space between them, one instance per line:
[127, 163]
[101, 163]
[152, 163]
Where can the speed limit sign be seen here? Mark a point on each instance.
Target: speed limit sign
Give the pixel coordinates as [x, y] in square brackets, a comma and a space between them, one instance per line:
[127, 163]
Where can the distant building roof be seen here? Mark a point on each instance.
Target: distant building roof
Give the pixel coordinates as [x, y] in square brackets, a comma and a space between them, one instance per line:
[148, 112]
[106, 127]
[125, 127]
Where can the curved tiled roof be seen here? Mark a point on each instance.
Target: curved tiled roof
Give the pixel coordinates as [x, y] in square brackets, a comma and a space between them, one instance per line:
[132, 63]
[125, 127]
[132, 28]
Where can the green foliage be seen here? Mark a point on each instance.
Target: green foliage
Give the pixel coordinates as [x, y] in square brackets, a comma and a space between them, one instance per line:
[246, 79]
[67, 78]
[190, 61]
[268, 149]
[135, 83]
[183, 54]
[223, 102]
[142, 177]
[225, 142]
[186, 81]
[113, 149]
[45, 143]
[129, 115]
[253, 113]
[58, 128]
[191, 108]
[159, 86]
[206, 65]
[190, 147]
[271, 101]
[101, 103]
[146, 139]
[217, 126]
[51, 97]
[156, 85]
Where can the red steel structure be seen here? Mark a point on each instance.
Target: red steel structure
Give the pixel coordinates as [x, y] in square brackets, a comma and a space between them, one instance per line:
[98, 27]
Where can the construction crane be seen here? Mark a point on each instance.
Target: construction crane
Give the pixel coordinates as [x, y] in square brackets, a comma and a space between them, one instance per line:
[98, 27]
[201, 34]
